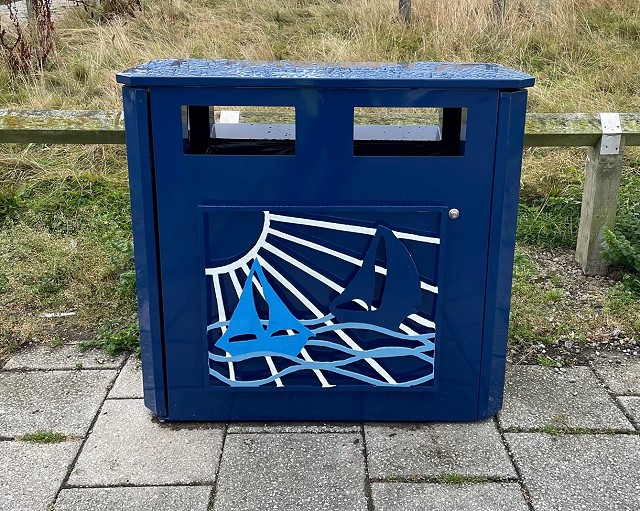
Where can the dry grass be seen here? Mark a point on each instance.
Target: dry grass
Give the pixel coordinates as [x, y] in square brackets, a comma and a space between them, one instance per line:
[581, 52]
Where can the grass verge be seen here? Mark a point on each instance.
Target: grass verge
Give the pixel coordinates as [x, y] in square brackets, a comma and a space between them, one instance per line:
[65, 234]
[65, 244]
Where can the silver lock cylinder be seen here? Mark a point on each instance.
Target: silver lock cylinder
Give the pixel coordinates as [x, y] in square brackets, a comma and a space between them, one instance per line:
[454, 213]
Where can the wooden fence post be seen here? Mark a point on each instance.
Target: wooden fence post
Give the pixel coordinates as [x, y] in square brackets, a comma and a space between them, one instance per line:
[30, 11]
[405, 11]
[499, 9]
[544, 8]
[599, 201]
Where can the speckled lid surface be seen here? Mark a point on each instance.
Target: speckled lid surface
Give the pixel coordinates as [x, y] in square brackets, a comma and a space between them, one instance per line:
[310, 74]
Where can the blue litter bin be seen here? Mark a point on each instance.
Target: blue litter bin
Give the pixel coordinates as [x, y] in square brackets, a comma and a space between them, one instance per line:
[344, 252]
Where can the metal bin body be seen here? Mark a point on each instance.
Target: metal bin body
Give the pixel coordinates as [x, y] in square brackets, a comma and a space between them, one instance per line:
[320, 269]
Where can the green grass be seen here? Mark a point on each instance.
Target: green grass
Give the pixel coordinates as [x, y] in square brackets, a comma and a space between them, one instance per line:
[548, 219]
[115, 342]
[447, 478]
[553, 295]
[65, 243]
[544, 308]
[44, 437]
[550, 198]
[558, 430]
[523, 326]
[546, 361]
[459, 479]
[623, 300]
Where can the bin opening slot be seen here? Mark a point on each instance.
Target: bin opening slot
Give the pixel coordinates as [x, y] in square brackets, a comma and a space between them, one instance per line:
[385, 131]
[239, 130]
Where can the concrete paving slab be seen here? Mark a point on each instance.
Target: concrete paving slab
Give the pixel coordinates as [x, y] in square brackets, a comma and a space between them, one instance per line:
[447, 497]
[631, 404]
[424, 450]
[30, 474]
[156, 498]
[67, 356]
[538, 397]
[292, 472]
[293, 427]
[591, 472]
[59, 401]
[621, 373]
[129, 381]
[128, 446]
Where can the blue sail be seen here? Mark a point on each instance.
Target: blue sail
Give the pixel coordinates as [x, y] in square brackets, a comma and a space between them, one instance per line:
[386, 304]
[283, 333]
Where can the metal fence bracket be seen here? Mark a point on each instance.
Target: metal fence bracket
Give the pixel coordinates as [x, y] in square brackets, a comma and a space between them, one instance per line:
[611, 133]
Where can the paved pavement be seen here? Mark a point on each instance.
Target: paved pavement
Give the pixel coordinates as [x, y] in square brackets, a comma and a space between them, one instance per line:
[566, 439]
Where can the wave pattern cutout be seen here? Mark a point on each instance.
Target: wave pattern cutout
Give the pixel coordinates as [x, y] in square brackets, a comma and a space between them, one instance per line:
[410, 361]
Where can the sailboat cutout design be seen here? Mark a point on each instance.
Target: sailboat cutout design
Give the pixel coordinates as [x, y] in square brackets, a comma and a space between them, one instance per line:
[387, 305]
[282, 333]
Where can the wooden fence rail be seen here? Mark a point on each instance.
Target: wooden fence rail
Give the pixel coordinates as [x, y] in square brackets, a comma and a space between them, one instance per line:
[606, 136]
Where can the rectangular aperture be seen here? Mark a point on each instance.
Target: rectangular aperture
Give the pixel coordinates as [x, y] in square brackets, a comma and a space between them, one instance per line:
[239, 130]
[386, 131]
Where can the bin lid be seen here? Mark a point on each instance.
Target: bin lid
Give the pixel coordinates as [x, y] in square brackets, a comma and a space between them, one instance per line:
[221, 73]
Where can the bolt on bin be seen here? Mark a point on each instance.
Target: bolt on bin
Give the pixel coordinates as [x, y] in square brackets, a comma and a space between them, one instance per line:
[323, 241]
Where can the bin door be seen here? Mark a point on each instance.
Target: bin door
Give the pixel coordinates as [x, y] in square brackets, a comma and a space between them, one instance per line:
[331, 298]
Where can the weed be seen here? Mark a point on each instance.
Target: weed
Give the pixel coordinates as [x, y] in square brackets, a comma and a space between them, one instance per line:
[459, 479]
[563, 429]
[122, 265]
[522, 326]
[623, 300]
[552, 429]
[56, 342]
[44, 437]
[556, 280]
[553, 295]
[619, 251]
[622, 245]
[546, 361]
[549, 223]
[11, 203]
[116, 341]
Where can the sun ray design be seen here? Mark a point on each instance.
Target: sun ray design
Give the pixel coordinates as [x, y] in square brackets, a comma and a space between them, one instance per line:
[223, 316]
[371, 231]
[275, 251]
[339, 255]
[292, 260]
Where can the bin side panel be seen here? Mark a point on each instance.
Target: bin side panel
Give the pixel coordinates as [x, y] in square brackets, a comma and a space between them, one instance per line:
[510, 140]
[143, 211]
